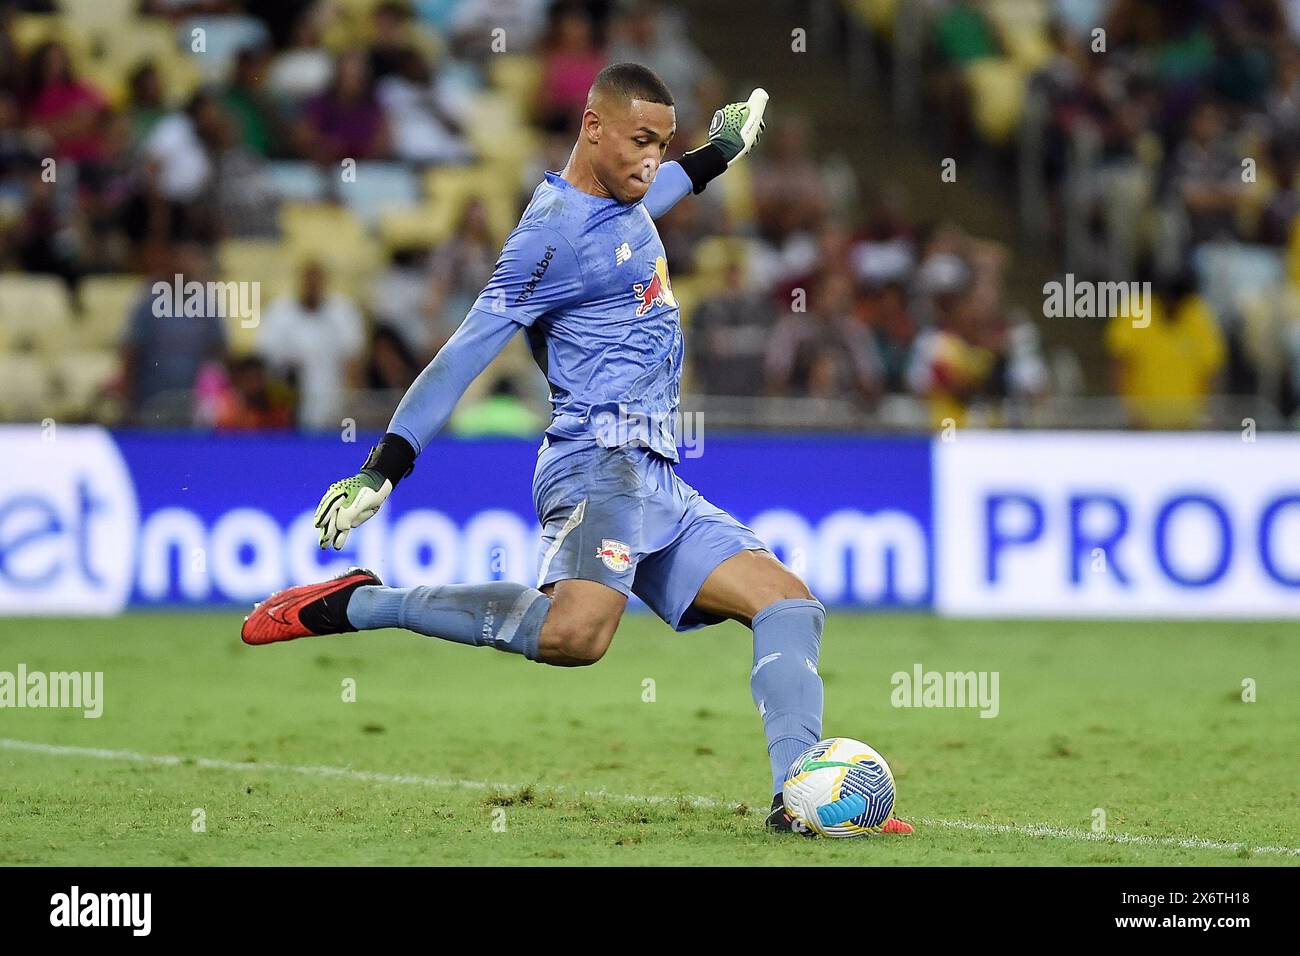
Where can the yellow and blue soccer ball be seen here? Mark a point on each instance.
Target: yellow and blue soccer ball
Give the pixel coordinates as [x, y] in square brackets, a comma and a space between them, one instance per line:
[840, 787]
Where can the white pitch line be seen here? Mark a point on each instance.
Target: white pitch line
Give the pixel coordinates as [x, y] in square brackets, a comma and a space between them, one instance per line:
[1037, 830]
[1067, 833]
[364, 776]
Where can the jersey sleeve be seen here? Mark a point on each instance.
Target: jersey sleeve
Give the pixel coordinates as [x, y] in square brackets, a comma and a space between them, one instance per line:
[671, 185]
[429, 402]
[538, 272]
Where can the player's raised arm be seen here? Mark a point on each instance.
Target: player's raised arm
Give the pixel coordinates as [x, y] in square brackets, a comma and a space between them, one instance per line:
[732, 133]
[537, 272]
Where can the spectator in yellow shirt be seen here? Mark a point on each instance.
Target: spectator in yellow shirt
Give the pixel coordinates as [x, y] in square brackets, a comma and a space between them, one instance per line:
[1164, 371]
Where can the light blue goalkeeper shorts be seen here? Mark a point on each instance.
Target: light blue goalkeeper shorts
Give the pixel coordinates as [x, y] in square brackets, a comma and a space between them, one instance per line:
[622, 517]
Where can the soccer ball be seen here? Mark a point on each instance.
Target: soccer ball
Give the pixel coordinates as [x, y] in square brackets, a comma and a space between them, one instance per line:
[840, 787]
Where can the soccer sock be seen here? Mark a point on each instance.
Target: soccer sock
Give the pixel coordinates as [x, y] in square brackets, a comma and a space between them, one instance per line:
[786, 686]
[499, 614]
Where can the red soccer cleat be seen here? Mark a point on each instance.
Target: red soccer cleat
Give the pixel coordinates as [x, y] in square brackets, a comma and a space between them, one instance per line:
[307, 610]
[895, 825]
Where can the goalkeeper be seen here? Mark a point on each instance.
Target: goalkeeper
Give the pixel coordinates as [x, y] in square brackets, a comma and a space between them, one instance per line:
[585, 277]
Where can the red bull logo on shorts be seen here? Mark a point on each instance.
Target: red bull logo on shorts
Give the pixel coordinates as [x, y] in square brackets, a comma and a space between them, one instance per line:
[616, 555]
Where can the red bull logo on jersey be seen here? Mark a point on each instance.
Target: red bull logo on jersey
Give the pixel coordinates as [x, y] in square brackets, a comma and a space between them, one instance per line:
[616, 555]
[658, 291]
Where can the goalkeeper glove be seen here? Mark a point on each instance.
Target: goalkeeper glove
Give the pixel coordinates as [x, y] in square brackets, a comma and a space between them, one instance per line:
[352, 501]
[732, 133]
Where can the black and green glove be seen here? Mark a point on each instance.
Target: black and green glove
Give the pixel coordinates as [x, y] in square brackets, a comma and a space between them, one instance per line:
[732, 133]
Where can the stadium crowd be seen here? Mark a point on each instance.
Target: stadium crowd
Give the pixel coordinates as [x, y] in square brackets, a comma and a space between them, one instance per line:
[129, 156]
[1164, 144]
[361, 161]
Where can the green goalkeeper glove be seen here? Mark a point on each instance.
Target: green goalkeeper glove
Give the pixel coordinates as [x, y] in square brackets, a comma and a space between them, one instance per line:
[736, 127]
[734, 131]
[355, 500]
[349, 503]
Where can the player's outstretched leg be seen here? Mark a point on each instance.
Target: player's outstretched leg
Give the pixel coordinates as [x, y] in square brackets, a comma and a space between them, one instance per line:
[500, 614]
[754, 588]
[306, 610]
[570, 624]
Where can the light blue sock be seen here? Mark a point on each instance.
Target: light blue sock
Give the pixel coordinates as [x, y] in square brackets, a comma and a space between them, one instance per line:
[499, 614]
[786, 686]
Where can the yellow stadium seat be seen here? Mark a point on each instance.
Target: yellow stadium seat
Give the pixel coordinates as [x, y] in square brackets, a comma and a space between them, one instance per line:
[1293, 253]
[30, 30]
[451, 188]
[335, 237]
[140, 38]
[1023, 27]
[420, 227]
[112, 13]
[25, 388]
[256, 260]
[106, 304]
[518, 77]
[997, 88]
[36, 309]
[877, 14]
[266, 262]
[80, 378]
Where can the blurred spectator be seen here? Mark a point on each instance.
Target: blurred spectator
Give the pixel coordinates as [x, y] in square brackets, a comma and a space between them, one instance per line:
[249, 106]
[949, 368]
[46, 236]
[165, 344]
[474, 25]
[21, 147]
[177, 154]
[789, 193]
[729, 336]
[570, 61]
[461, 268]
[346, 121]
[390, 364]
[146, 105]
[649, 35]
[316, 339]
[70, 111]
[241, 197]
[388, 42]
[10, 60]
[394, 31]
[826, 352]
[305, 68]
[1164, 371]
[174, 200]
[890, 320]
[425, 119]
[501, 412]
[251, 400]
[1206, 175]
[402, 300]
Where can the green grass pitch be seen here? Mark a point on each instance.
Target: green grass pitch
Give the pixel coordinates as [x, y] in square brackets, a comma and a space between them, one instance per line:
[451, 755]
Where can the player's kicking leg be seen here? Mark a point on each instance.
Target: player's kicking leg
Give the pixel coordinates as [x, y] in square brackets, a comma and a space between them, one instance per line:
[754, 588]
[569, 623]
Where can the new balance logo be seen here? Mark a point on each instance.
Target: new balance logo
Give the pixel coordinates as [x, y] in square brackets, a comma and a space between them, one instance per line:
[622, 254]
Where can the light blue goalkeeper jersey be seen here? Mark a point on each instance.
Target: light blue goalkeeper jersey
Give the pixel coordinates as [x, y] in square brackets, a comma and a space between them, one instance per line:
[587, 278]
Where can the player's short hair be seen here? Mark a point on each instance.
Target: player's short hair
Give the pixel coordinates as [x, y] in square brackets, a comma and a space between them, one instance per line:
[632, 81]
